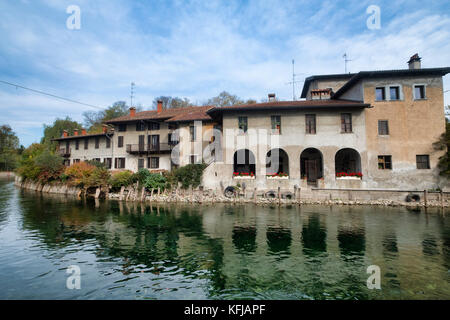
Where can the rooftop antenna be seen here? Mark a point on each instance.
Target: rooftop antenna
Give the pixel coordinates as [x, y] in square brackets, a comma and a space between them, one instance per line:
[132, 94]
[346, 60]
[293, 82]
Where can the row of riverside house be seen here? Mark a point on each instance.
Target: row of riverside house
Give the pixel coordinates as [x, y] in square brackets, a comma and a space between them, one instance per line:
[371, 129]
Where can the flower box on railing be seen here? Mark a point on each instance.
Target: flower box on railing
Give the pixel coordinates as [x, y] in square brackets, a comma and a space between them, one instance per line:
[349, 176]
[243, 175]
[277, 176]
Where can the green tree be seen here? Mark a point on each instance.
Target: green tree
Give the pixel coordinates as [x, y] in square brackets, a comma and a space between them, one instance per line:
[9, 148]
[444, 144]
[55, 130]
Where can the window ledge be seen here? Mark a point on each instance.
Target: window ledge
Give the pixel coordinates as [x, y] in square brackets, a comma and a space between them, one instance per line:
[348, 178]
[243, 177]
[277, 178]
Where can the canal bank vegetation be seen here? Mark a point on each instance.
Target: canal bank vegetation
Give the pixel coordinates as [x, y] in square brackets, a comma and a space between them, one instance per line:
[9, 149]
[40, 165]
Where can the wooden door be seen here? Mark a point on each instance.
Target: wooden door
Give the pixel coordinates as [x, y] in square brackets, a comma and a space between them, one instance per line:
[311, 171]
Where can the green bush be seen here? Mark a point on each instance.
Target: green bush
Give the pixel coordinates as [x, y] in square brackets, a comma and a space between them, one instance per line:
[155, 181]
[141, 176]
[189, 175]
[122, 178]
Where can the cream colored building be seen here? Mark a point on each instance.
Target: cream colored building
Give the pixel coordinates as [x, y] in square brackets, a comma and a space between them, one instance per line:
[367, 130]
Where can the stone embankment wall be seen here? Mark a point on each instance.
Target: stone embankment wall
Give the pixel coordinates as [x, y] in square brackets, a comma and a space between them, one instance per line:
[58, 188]
[261, 197]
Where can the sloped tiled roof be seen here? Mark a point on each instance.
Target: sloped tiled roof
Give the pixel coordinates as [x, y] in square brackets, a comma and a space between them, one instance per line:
[273, 105]
[170, 115]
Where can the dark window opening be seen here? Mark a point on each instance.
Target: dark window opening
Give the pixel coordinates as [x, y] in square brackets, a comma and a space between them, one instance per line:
[243, 124]
[97, 142]
[120, 141]
[153, 126]
[276, 124]
[140, 164]
[244, 162]
[122, 127]
[385, 162]
[423, 161]
[140, 126]
[310, 123]
[346, 122]
[153, 163]
[119, 163]
[86, 144]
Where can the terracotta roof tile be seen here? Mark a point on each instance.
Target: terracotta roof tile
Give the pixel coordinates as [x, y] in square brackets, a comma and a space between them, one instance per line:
[175, 114]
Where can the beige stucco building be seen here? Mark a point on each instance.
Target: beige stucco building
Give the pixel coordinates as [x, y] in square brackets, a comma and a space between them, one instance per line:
[368, 130]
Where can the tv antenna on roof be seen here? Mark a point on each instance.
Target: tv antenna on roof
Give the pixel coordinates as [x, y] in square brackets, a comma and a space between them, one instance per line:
[346, 60]
[132, 94]
[293, 82]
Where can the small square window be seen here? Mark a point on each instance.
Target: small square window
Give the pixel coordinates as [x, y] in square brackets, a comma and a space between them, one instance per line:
[394, 93]
[122, 127]
[380, 94]
[385, 162]
[153, 126]
[383, 127]
[423, 161]
[419, 92]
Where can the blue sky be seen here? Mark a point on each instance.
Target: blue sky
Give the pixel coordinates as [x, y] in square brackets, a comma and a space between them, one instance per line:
[196, 49]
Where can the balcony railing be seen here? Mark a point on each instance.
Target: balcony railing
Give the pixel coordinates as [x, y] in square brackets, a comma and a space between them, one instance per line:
[149, 148]
[64, 152]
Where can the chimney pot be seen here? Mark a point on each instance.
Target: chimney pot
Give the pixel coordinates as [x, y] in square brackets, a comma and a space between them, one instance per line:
[271, 97]
[160, 106]
[65, 133]
[132, 111]
[83, 132]
[414, 62]
[75, 132]
[104, 128]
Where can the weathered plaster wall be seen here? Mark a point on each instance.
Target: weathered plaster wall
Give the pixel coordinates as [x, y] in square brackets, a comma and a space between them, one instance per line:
[414, 125]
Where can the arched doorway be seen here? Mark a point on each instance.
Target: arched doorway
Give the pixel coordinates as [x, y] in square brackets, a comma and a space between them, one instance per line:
[277, 162]
[311, 165]
[244, 161]
[347, 161]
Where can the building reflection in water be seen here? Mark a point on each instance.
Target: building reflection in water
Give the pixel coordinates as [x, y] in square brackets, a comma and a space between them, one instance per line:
[278, 240]
[244, 238]
[314, 236]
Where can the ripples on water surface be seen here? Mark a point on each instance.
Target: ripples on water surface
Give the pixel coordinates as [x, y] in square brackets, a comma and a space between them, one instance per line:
[129, 251]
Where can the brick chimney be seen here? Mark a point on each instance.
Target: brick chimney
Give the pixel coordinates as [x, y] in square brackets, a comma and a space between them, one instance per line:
[160, 106]
[83, 131]
[132, 111]
[414, 62]
[65, 134]
[104, 128]
[272, 97]
[75, 132]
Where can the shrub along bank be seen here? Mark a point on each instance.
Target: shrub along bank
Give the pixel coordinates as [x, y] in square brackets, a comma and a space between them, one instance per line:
[38, 164]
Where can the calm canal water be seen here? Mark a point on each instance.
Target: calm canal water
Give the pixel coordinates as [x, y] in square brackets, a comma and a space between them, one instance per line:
[129, 251]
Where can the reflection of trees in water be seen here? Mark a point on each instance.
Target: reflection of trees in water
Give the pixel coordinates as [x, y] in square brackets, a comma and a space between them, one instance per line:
[278, 239]
[244, 238]
[139, 237]
[314, 236]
